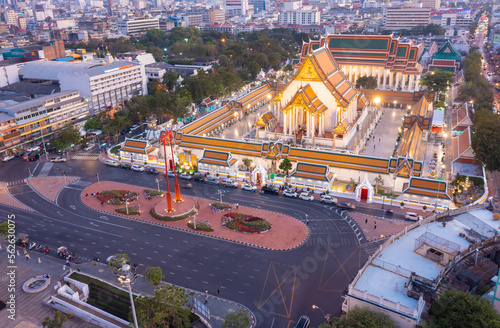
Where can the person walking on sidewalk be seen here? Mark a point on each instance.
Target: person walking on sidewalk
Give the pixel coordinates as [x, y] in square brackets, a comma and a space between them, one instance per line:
[218, 291]
[206, 296]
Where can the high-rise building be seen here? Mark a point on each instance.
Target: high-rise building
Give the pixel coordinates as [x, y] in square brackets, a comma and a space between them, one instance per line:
[294, 13]
[136, 27]
[216, 16]
[236, 7]
[398, 18]
[434, 4]
[260, 5]
[10, 17]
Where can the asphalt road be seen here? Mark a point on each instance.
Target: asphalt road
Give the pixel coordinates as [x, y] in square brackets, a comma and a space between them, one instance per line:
[277, 286]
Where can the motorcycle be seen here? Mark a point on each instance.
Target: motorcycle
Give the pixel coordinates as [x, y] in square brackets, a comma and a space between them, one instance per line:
[32, 245]
[39, 248]
[46, 250]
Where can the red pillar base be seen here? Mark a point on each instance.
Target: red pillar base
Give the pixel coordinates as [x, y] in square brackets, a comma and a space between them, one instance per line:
[170, 207]
[177, 193]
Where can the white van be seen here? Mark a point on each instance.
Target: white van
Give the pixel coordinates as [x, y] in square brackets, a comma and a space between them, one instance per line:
[112, 163]
[412, 216]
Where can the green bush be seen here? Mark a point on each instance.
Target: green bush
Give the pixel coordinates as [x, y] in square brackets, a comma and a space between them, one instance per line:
[115, 149]
[201, 225]
[168, 218]
[131, 210]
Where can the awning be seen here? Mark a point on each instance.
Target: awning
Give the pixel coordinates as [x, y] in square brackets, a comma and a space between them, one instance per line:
[438, 118]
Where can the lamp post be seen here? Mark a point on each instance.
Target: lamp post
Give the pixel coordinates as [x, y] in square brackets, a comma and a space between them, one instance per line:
[326, 316]
[97, 175]
[392, 191]
[127, 278]
[377, 103]
[157, 184]
[126, 205]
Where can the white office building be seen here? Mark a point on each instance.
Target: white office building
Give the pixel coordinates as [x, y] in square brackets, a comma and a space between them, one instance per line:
[294, 13]
[103, 85]
[236, 7]
[136, 27]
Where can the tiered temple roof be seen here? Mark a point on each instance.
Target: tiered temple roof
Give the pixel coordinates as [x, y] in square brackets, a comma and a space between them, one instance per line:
[369, 50]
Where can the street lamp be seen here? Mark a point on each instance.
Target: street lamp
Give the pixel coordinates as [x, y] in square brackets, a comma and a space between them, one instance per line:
[326, 316]
[97, 175]
[220, 195]
[158, 183]
[377, 102]
[127, 278]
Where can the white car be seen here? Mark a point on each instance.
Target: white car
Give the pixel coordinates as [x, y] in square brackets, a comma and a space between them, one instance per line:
[306, 196]
[137, 168]
[134, 127]
[328, 199]
[412, 216]
[89, 146]
[110, 162]
[229, 183]
[7, 158]
[58, 159]
[33, 148]
[289, 193]
[185, 176]
[248, 187]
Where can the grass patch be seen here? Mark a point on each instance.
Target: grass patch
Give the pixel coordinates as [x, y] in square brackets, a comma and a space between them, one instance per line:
[131, 210]
[201, 225]
[170, 218]
[105, 296]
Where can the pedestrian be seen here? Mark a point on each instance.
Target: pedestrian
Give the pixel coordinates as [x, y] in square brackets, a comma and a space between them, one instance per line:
[27, 257]
[237, 205]
[102, 203]
[366, 221]
[373, 146]
[138, 197]
[218, 291]
[86, 195]
[378, 140]
[206, 296]
[67, 262]
[78, 269]
[307, 221]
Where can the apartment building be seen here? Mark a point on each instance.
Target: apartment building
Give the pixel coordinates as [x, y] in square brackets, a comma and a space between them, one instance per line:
[27, 121]
[434, 4]
[303, 16]
[236, 7]
[398, 18]
[193, 19]
[214, 16]
[136, 27]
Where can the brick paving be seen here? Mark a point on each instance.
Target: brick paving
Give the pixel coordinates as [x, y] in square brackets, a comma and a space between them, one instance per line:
[7, 199]
[286, 233]
[49, 187]
[384, 227]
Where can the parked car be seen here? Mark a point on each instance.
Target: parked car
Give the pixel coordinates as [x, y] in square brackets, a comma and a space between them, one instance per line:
[170, 174]
[267, 189]
[125, 166]
[229, 183]
[89, 146]
[185, 176]
[412, 216]
[304, 322]
[212, 181]
[289, 193]
[58, 159]
[152, 170]
[20, 154]
[248, 187]
[306, 196]
[33, 156]
[198, 177]
[328, 199]
[110, 162]
[7, 158]
[134, 127]
[137, 168]
[346, 206]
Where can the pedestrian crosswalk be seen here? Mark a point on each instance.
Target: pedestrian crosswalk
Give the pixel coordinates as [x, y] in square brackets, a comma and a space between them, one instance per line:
[16, 182]
[86, 157]
[81, 183]
[372, 246]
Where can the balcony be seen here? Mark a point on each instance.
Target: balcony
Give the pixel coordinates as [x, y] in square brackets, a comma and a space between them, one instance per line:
[11, 135]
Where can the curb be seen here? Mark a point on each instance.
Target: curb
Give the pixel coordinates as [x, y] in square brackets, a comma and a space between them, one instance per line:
[57, 195]
[196, 232]
[29, 209]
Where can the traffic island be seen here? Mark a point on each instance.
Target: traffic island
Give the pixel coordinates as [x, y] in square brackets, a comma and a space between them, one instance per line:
[286, 233]
[49, 187]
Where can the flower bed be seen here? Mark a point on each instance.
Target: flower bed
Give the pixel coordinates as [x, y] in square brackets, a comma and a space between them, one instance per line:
[203, 225]
[151, 193]
[245, 223]
[132, 210]
[172, 218]
[219, 207]
[116, 197]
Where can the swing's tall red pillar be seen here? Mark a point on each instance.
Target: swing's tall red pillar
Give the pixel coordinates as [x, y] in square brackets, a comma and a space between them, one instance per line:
[170, 207]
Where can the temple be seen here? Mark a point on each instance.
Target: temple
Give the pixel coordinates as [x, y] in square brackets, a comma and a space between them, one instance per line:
[395, 64]
[319, 101]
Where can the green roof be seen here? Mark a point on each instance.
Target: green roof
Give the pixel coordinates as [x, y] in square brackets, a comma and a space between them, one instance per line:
[358, 43]
[447, 52]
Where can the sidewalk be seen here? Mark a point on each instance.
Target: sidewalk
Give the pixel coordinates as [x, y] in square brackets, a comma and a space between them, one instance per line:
[31, 311]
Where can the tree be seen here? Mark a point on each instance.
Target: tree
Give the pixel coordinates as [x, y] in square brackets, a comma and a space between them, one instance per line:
[362, 318]
[113, 126]
[379, 181]
[285, 165]
[93, 124]
[4, 229]
[70, 135]
[486, 138]
[237, 319]
[170, 80]
[366, 82]
[59, 144]
[247, 162]
[57, 322]
[434, 29]
[117, 261]
[153, 275]
[456, 309]
[164, 309]
[438, 80]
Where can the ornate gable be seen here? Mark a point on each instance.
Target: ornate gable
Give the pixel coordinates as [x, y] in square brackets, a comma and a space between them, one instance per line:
[308, 72]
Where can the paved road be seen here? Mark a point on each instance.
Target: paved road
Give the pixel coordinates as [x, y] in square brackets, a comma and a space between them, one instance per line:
[276, 286]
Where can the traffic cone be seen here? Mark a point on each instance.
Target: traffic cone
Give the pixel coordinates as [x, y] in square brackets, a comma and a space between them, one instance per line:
[39, 260]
